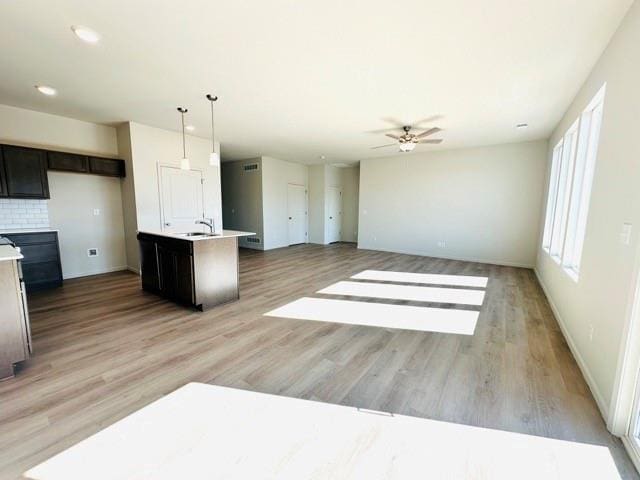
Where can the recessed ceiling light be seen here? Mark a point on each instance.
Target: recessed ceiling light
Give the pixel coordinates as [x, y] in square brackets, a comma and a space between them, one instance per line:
[522, 126]
[322, 157]
[190, 128]
[85, 34]
[45, 90]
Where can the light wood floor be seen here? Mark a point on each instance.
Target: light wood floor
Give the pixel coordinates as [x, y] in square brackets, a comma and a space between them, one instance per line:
[104, 349]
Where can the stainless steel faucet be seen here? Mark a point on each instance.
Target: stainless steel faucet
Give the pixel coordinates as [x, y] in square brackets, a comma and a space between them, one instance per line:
[209, 224]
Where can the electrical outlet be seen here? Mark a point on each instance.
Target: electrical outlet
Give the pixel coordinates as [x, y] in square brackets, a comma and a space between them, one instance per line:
[96, 212]
[442, 244]
[591, 333]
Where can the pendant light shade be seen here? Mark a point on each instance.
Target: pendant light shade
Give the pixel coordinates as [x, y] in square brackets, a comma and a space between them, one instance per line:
[214, 157]
[184, 163]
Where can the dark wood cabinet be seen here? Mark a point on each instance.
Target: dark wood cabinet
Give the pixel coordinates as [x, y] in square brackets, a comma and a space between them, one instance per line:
[41, 268]
[3, 177]
[67, 162]
[106, 166]
[167, 267]
[25, 172]
[149, 265]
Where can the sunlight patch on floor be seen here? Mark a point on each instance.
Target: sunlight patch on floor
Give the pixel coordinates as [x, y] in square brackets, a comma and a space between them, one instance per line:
[206, 431]
[425, 319]
[426, 278]
[403, 292]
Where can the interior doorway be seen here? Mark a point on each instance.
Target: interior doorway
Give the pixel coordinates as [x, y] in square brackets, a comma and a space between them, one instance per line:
[334, 215]
[297, 213]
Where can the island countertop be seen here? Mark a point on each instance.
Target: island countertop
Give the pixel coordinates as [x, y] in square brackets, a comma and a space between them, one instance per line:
[7, 252]
[197, 238]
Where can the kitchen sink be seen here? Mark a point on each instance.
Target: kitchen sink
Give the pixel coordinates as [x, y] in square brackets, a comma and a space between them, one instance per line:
[198, 234]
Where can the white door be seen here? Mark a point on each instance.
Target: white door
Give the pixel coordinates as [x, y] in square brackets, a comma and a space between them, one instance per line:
[297, 212]
[334, 215]
[181, 199]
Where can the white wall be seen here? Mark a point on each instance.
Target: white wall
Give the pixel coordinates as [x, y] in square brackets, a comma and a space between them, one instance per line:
[35, 129]
[350, 201]
[71, 210]
[144, 148]
[242, 200]
[484, 203]
[316, 203]
[601, 299]
[276, 175]
[74, 196]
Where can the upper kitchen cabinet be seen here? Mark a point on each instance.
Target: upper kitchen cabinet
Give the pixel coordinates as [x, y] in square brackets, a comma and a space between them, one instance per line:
[106, 166]
[3, 180]
[68, 162]
[25, 172]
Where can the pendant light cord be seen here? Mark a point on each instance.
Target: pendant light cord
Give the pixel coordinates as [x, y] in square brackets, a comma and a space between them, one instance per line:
[184, 148]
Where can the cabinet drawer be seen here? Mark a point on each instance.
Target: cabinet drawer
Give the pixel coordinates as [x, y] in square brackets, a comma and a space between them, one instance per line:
[106, 166]
[21, 239]
[68, 162]
[44, 272]
[45, 252]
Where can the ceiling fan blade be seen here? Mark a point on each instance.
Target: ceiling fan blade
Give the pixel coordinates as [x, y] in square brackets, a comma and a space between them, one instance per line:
[391, 135]
[434, 141]
[383, 146]
[431, 131]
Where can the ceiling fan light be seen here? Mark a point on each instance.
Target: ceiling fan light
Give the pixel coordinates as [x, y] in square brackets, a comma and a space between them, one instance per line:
[407, 146]
[214, 159]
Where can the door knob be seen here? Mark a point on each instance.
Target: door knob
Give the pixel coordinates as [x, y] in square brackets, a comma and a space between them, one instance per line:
[330, 218]
[290, 218]
[167, 224]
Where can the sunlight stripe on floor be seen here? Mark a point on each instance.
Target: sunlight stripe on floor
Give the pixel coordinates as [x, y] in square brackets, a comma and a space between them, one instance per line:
[432, 278]
[403, 292]
[425, 319]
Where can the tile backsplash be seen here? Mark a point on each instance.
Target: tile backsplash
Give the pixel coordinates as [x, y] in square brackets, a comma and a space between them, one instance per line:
[18, 214]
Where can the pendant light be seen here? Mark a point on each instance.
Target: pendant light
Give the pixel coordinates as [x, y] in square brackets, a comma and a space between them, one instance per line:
[184, 163]
[214, 157]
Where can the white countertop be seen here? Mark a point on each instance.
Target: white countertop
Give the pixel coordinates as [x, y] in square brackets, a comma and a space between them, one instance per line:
[224, 234]
[26, 230]
[7, 252]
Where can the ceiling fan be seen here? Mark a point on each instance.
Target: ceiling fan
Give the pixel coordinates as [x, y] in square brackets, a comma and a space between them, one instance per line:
[408, 141]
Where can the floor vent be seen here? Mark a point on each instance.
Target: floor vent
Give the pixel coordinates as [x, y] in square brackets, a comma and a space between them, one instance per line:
[251, 167]
[253, 240]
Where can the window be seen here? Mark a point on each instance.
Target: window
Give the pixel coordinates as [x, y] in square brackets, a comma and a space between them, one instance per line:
[572, 169]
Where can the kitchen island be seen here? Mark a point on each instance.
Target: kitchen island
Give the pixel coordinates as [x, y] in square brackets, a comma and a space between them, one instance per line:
[197, 269]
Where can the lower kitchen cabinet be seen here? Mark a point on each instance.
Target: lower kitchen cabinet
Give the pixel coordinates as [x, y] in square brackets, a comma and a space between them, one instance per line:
[41, 268]
[167, 268]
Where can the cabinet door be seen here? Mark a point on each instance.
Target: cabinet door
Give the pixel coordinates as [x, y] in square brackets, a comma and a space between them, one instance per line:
[68, 162]
[167, 269]
[184, 278]
[106, 166]
[149, 265]
[26, 172]
[3, 182]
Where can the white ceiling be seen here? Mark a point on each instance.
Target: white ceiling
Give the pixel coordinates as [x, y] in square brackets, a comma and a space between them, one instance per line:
[300, 78]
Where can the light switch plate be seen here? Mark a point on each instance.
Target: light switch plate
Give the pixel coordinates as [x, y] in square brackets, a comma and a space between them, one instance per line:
[625, 234]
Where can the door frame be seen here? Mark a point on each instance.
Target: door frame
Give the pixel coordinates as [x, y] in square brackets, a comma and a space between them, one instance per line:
[306, 209]
[159, 167]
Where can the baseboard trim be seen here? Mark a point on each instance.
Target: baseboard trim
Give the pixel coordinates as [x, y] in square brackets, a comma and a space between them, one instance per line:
[96, 272]
[631, 451]
[134, 270]
[502, 263]
[586, 373]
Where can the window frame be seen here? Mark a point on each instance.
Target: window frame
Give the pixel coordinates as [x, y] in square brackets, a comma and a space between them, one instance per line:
[570, 184]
